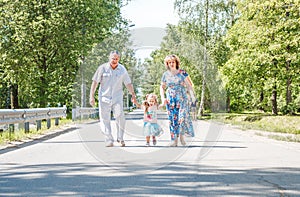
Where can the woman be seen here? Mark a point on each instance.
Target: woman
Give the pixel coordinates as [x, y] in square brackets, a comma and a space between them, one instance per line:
[174, 86]
[189, 129]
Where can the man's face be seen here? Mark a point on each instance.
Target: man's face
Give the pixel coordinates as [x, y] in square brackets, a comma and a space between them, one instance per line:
[114, 60]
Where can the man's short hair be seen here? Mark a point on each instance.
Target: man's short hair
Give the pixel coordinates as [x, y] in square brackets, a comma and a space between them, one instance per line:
[115, 52]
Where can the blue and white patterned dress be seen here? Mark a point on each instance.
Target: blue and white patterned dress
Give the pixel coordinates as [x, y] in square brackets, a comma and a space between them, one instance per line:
[177, 101]
[189, 128]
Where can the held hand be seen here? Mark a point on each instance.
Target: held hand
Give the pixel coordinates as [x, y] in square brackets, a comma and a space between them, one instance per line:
[92, 101]
[165, 102]
[133, 99]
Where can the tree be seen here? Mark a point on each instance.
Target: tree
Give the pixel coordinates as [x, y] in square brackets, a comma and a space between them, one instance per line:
[264, 46]
[206, 22]
[42, 42]
[119, 41]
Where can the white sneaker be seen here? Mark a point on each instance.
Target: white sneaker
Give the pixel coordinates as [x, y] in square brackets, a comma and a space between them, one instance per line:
[121, 142]
[110, 144]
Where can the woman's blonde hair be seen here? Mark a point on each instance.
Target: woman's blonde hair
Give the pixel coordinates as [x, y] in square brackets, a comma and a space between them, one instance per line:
[170, 57]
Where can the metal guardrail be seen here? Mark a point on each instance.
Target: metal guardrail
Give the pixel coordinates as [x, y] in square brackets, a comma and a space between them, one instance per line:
[84, 113]
[26, 116]
[81, 113]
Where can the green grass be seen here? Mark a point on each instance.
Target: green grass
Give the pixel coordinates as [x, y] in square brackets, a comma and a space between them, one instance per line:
[20, 135]
[264, 122]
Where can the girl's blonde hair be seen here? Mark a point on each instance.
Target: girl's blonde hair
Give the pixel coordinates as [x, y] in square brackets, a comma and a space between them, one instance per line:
[146, 103]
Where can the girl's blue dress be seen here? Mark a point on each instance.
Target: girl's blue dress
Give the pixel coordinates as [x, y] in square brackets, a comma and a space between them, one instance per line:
[151, 128]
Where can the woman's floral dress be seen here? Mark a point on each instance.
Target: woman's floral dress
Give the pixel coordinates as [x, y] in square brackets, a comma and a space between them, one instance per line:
[177, 99]
[189, 128]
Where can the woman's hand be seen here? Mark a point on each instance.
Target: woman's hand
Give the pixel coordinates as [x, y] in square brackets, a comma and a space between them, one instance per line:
[164, 102]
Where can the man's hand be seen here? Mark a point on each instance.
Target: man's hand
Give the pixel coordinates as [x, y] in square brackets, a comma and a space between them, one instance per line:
[92, 101]
[133, 99]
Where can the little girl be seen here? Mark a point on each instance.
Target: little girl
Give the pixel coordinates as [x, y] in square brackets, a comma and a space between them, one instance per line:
[151, 128]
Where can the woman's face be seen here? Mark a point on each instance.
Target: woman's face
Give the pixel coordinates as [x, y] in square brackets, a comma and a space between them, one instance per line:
[172, 64]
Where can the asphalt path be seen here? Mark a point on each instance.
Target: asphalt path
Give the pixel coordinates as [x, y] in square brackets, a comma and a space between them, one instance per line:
[218, 161]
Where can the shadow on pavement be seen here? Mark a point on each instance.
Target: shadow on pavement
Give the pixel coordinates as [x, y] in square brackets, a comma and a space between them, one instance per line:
[176, 179]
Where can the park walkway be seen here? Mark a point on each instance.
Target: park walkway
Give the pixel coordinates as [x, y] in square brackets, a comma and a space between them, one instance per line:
[219, 161]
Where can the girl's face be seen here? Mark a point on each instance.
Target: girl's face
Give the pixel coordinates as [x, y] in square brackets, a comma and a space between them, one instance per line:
[172, 64]
[151, 101]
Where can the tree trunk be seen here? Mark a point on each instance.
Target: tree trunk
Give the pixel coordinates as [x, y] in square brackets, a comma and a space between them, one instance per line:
[14, 99]
[228, 101]
[83, 84]
[288, 85]
[261, 99]
[201, 108]
[274, 100]
[288, 91]
[43, 101]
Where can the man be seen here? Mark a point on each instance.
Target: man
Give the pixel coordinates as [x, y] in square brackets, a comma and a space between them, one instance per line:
[111, 77]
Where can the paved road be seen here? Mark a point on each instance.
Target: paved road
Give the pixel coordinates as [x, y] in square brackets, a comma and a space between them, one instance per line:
[219, 161]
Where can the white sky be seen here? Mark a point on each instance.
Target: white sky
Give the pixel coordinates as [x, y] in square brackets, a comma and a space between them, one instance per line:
[150, 13]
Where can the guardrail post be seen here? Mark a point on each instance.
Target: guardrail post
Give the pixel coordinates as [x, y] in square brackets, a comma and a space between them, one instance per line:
[74, 114]
[80, 114]
[48, 123]
[26, 127]
[11, 128]
[38, 125]
[56, 121]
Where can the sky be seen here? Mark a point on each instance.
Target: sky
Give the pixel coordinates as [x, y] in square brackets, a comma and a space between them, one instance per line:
[150, 16]
[150, 13]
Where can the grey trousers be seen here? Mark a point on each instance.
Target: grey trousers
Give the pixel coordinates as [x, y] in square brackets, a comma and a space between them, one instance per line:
[105, 120]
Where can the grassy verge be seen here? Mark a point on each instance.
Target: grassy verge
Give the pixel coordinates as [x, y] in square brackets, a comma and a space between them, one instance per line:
[20, 135]
[285, 128]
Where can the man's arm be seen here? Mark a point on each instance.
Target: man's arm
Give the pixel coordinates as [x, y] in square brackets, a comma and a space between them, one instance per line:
[131, 91]
[92, 93]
